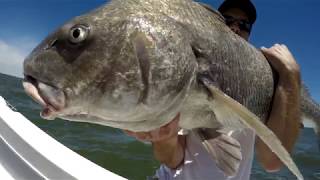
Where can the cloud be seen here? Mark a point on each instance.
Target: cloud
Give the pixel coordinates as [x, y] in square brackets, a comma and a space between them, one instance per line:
[12, 55]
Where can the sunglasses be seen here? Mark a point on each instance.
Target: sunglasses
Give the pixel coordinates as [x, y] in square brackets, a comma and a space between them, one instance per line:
[244, 25]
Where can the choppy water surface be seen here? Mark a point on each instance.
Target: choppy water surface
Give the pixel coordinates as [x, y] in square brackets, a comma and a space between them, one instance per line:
[113, 150]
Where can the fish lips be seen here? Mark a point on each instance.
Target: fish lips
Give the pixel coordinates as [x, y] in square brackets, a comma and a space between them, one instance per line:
[52, 99]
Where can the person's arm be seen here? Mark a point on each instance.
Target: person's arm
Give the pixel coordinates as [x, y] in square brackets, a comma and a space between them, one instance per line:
[168, 146]
[284, 118]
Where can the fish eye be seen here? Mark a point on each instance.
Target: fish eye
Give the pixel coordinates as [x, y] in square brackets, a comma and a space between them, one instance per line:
[78, 34]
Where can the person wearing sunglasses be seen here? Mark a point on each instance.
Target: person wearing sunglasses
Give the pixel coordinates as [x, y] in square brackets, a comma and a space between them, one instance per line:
[240, 15]
[183, 156]
[284, 118]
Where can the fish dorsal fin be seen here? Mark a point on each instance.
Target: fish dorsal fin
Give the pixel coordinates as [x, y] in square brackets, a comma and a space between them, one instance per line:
[251, 121]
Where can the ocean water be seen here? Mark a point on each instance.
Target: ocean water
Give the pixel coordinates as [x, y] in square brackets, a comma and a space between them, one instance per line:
[115, 151]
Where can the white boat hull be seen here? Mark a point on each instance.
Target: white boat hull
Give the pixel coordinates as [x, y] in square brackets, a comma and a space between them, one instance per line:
[26, 152]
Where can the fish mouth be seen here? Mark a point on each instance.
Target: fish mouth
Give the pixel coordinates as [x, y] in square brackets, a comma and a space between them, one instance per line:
[51, 98]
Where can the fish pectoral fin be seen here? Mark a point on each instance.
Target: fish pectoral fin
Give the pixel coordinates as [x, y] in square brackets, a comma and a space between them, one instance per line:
[141, 42]
[224, 150]
[250, 120]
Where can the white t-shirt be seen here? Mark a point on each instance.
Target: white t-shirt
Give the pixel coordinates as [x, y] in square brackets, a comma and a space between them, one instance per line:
[198, 164]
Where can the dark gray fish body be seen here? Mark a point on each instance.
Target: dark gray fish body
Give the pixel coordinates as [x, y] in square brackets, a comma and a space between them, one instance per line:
[135, 64]
[140, 58]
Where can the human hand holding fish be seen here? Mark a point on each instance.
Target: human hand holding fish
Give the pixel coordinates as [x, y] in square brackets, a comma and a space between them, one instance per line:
[169, 146]
[162, 133]
[285, 115]
[283, 62]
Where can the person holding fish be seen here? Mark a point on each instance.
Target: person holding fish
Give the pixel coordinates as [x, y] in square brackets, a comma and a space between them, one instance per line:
[183, 157]
[151, 67]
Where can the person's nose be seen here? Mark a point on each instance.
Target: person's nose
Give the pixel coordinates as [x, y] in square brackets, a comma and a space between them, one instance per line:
[235, 28]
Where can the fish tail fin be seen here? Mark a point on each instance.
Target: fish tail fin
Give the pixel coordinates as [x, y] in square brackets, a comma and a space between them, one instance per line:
[310, 112]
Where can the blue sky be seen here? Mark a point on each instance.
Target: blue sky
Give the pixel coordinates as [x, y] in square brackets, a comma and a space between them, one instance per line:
[24, 23]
